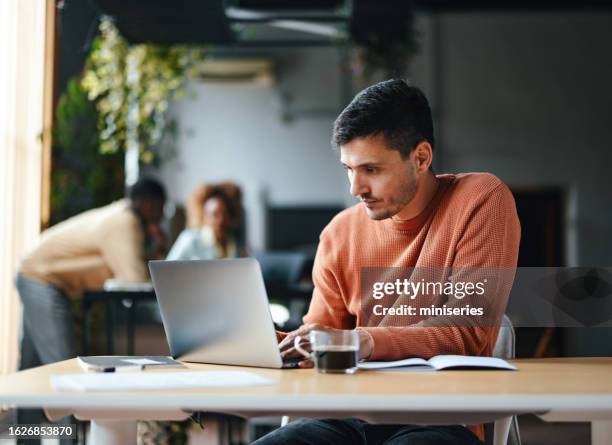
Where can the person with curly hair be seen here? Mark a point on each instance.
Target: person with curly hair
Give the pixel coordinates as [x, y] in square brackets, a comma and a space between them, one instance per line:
[214, 223]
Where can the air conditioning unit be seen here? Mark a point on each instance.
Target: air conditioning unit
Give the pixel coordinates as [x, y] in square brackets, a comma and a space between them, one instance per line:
[258, 71]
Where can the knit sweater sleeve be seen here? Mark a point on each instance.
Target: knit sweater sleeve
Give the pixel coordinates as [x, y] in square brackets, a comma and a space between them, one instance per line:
[328, 305]
[489, 239]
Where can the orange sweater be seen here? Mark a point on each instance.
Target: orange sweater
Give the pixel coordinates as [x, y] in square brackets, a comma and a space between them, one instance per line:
[470, 222]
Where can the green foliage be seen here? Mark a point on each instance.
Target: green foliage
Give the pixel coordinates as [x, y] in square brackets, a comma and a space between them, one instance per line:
[82, 178]
[123, 89]
[132, 86]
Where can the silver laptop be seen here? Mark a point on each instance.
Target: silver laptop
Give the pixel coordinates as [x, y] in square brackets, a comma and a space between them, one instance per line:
[216, 311]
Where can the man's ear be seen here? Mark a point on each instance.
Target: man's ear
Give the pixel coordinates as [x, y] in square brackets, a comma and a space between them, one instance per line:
[423, 156]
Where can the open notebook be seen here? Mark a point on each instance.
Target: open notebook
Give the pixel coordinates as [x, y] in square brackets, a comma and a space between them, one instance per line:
[440, 362]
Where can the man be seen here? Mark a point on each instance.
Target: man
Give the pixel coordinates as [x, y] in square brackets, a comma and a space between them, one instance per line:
[408, 217]
[80, 254]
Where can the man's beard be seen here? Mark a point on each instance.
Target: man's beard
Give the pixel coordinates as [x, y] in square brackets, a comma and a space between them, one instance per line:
[408, 191]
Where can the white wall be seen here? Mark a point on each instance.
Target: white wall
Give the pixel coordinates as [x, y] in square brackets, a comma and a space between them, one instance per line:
[237, 132]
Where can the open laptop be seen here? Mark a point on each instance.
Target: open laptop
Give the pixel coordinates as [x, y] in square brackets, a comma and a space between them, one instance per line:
[216, 311]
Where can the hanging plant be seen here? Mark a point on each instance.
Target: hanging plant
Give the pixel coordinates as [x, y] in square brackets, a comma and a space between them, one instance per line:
[132, 85]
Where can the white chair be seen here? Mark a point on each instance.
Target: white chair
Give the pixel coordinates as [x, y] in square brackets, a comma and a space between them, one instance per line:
[506, 430]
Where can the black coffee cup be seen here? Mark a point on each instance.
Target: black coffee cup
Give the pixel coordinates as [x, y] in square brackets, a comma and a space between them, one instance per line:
[332, 351]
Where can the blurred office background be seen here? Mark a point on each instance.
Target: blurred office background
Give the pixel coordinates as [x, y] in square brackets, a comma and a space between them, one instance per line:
[518, 88]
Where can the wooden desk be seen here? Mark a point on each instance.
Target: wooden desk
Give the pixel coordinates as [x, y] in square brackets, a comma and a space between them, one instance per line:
[577, 389]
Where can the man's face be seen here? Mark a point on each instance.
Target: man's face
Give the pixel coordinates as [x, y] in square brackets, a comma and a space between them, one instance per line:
[379, 176]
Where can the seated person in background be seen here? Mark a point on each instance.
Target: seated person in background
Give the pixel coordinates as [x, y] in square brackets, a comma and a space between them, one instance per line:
[214, 220]
[408, 217]
[214, 217]
[77, 255]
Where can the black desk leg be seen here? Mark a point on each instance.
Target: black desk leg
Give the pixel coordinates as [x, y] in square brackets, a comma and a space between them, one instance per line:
[85, 327]
[130, 327]
[110, 325]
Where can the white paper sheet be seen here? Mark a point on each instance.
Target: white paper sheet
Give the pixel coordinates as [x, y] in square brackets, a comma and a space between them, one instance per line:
[156, 380]
[127, 286]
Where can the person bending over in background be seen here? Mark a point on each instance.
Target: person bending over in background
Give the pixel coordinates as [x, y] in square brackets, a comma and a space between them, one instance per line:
[77, 255]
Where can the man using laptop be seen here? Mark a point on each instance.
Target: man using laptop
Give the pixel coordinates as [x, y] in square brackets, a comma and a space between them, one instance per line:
[408, 217]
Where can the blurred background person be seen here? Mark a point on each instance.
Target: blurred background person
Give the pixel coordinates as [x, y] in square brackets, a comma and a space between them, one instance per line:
[77, 255]
[215, 226]
[214, 230]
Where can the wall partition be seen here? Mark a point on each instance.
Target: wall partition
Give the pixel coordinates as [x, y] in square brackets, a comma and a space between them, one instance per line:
[24, 134]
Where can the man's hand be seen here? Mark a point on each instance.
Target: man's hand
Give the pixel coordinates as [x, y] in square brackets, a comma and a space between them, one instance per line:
[288, 351]
[280, 335]
[287, 348]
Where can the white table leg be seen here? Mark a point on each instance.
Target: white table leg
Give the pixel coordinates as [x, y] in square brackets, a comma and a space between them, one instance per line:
[501, 428]
[113, 432]
[601, 432]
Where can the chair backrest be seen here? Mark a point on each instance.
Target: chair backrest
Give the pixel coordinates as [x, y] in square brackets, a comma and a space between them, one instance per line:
[505, 344]
[505, 348]
[281, 268]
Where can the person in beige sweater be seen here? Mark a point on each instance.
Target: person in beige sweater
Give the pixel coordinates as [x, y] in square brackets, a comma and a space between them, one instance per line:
[77, 255]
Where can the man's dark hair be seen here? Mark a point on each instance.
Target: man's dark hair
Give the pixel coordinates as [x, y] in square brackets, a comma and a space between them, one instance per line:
[393, 108]
[147, 188]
